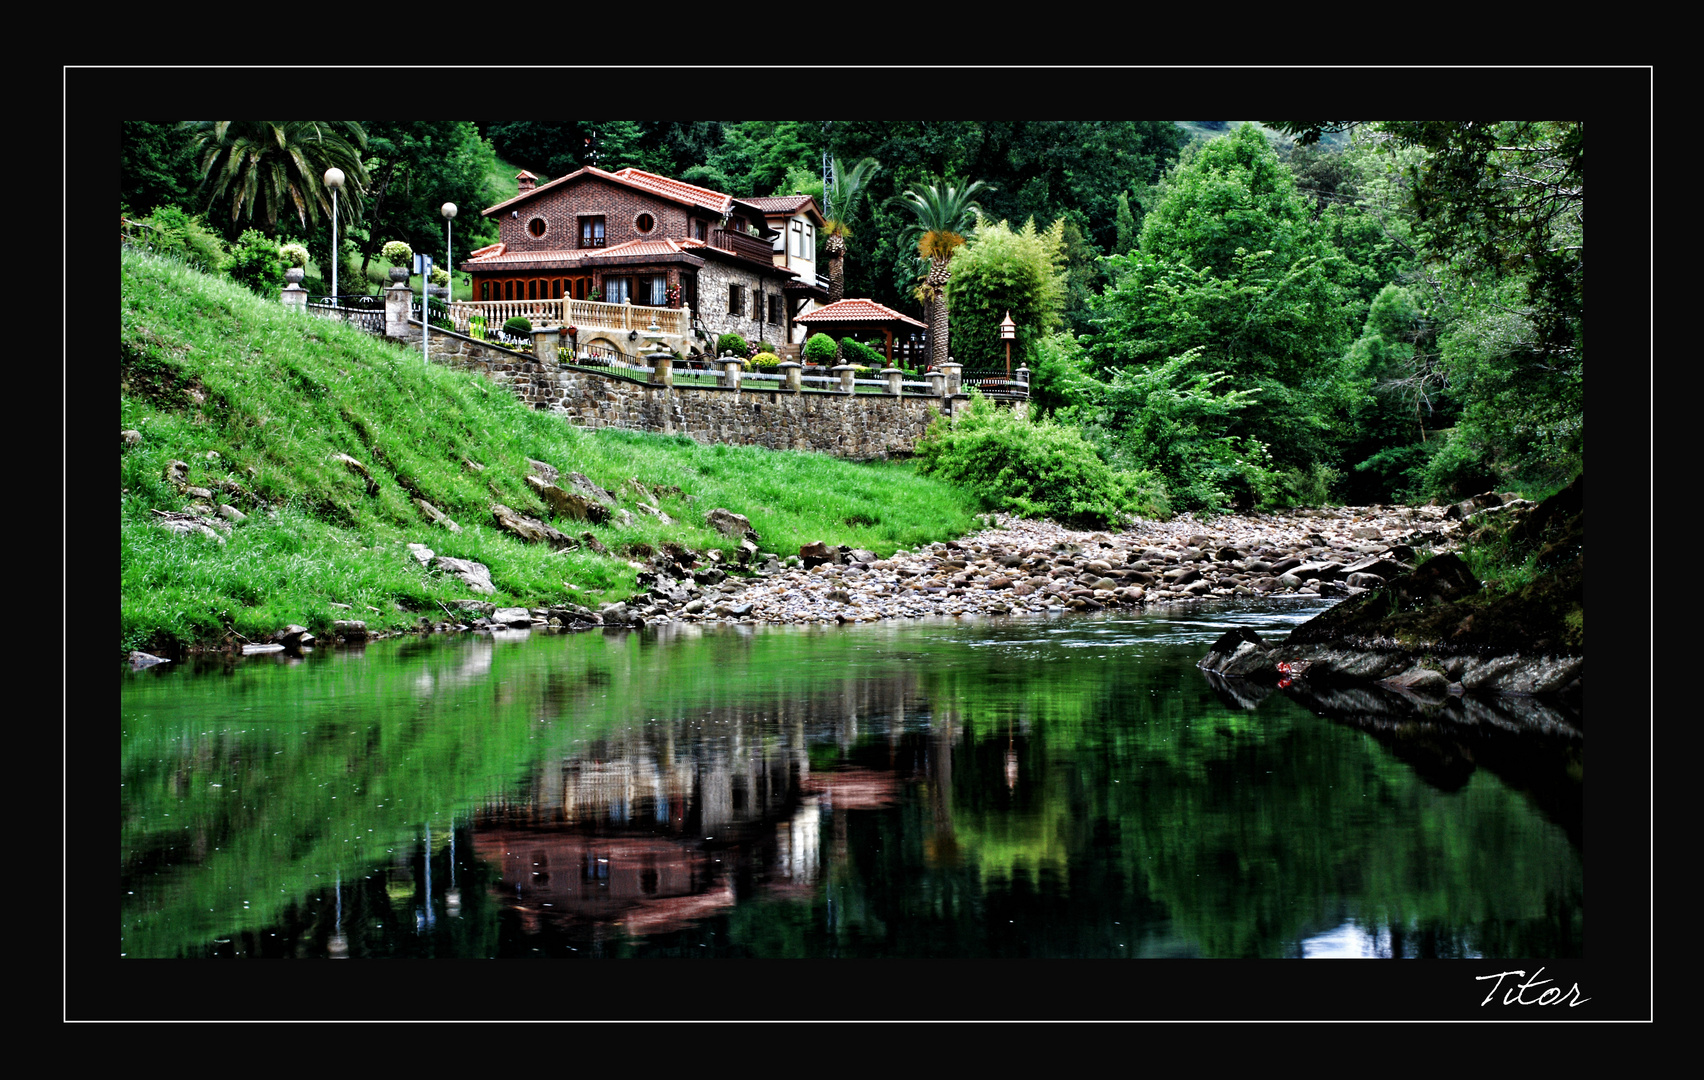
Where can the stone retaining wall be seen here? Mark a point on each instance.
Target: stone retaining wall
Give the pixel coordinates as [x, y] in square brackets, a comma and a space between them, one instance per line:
[857, 426]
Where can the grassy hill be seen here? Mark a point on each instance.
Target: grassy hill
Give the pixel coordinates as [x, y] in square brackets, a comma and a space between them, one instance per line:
[259, 404]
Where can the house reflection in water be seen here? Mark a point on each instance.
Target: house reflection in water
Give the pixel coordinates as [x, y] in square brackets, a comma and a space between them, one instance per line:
[669, 821]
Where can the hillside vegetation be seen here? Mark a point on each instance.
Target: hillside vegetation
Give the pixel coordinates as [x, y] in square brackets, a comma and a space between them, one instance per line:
[260, 404]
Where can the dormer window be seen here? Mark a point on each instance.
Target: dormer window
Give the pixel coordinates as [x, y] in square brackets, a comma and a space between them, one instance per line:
[592, 232]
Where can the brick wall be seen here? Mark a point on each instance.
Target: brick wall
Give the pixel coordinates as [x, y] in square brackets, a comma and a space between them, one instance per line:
[561, 208]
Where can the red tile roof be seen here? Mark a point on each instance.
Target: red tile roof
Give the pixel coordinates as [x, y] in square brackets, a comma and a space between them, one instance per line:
[780, 204]
[673, 190]
[489, 249]
[678, 190]
[857, 311]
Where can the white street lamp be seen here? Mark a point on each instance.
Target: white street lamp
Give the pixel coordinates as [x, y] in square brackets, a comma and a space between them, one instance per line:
[449, 212]
[334, 180]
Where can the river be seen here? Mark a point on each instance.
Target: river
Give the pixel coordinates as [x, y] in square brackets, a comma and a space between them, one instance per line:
[1066, 787]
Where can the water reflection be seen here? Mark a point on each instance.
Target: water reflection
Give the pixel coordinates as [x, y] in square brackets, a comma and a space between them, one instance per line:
[1070, 788]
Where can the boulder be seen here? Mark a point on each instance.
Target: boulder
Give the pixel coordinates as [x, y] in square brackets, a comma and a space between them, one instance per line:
[573, 505]
[729, 523]
[543, 469]
[475, 575]
[815, 554]
[529, 529]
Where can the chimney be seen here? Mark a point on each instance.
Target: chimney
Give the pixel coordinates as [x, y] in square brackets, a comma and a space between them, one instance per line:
[528, 181]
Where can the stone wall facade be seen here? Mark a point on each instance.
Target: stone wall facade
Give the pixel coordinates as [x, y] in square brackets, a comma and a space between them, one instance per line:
[855, 426]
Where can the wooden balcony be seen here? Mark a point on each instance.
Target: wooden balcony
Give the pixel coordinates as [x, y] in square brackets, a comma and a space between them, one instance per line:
[751, 247]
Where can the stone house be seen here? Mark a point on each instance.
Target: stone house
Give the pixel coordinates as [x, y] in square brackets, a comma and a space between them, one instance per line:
[633, 237]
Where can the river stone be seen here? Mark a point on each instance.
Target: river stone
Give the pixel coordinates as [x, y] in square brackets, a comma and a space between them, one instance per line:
[140, 659]
[256, 648]
[353, 629]
[814, 554]
[475, 575]
[512, 616]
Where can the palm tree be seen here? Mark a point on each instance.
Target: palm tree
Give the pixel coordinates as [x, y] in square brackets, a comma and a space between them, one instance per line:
[836, 228]
[943, 214]
[279, 165]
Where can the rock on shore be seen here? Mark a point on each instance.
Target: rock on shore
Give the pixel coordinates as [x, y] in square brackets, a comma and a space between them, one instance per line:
[1437, 631]
[1034, 566]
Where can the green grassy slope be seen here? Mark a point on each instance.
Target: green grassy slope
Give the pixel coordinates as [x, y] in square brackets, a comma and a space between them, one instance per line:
[259, 402]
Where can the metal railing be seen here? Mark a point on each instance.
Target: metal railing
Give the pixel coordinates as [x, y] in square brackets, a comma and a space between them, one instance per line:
[358, 310]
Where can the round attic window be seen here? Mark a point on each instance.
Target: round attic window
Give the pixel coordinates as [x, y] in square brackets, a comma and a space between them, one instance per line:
[644, 223]
[536, 226]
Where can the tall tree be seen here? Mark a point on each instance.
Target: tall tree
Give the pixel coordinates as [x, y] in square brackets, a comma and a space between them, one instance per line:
[1004, 270]
[942, 215]
[1231, 266]
[837, 228]
[416, 167]
[277, 167]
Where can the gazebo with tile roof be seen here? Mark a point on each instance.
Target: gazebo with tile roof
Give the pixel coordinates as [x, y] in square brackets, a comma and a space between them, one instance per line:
[858, 316]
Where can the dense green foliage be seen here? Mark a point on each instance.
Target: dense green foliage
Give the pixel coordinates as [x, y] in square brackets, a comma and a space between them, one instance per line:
[1231, 266]
[259, 403]
[1002, 271]
[257, 264]
[734, 344]
[1033, 469]
[820, 349]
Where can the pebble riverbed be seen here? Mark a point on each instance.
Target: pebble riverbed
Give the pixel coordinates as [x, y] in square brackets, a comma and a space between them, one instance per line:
[1022, 565]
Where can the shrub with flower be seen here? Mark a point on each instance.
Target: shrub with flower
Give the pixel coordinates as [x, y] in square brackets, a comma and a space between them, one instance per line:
[294, 254]
[397, 253]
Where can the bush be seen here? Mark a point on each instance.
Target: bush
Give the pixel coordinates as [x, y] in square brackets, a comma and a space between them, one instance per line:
[732, 343]
[820, 349]
[520, 324]
[763, 361]
[856, 352]
[1034, 470]
[1176, 423]
[256, 264]
[294, 255]
[397, 253]
[170, 232]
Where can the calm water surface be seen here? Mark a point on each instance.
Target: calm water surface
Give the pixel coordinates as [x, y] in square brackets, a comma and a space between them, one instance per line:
[1069, 787]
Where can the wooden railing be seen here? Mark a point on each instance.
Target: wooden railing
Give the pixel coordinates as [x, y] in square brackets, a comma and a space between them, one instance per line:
[752, 247]
[587, 315]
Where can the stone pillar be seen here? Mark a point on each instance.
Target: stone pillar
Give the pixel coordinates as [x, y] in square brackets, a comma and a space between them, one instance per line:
[893, 376]
[662, 368]
[791, 369]
[731, 372]
[937, 384]
[397, 300]
[544, 345]
[295, 298]
[952, 372]
[1023, 374]
[847, 373]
